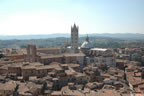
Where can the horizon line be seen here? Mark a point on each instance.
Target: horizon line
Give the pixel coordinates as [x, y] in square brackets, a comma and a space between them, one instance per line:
[66, 33]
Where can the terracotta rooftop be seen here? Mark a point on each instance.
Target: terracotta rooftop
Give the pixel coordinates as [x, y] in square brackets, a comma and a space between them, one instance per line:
[73, 65]
[56, 93]
[107, 92]
[11, 85]
[134, 80]
[39, 49]
[69, 72]
[51, 56]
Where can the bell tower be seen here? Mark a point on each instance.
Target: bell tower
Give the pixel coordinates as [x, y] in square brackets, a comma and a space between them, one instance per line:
[74, 38]
[31, 53]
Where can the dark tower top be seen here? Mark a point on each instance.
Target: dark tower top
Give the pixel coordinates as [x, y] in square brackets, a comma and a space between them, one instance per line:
[87, 38]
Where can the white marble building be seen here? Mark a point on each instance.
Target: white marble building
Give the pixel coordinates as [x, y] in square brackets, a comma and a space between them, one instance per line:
[97, 55]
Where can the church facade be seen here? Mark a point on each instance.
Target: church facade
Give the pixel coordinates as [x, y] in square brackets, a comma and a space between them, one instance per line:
[97, 55]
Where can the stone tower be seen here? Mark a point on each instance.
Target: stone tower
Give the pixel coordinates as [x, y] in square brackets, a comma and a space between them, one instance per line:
[74, 38]
[31, 53]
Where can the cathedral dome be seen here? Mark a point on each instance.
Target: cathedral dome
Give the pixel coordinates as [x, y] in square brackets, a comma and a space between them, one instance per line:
[86, 44]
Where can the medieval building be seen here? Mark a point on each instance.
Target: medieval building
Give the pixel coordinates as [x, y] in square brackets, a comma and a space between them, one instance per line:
[83, 55]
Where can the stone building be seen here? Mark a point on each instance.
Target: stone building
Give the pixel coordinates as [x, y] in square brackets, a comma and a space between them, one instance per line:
[31, 55]
[15, 56]
[34, 55]
[49, 50]
[101, 56]
[8, 88]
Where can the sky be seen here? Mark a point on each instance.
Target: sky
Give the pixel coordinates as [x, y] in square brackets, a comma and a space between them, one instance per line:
[28, 17]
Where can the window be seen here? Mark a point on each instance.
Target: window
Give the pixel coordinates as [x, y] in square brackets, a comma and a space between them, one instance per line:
[38, 71]
[91, 61]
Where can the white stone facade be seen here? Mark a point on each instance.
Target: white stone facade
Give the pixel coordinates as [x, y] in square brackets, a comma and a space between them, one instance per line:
[109, 61]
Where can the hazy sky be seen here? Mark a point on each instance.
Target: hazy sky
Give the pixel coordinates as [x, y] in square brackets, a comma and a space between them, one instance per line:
[18, 17]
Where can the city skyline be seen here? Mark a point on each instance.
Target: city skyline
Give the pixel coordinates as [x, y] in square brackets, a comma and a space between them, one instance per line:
[52, 16]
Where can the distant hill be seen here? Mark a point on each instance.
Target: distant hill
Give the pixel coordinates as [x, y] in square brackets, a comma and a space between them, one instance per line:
[97, 41]
[123, 36]
[27, 37]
